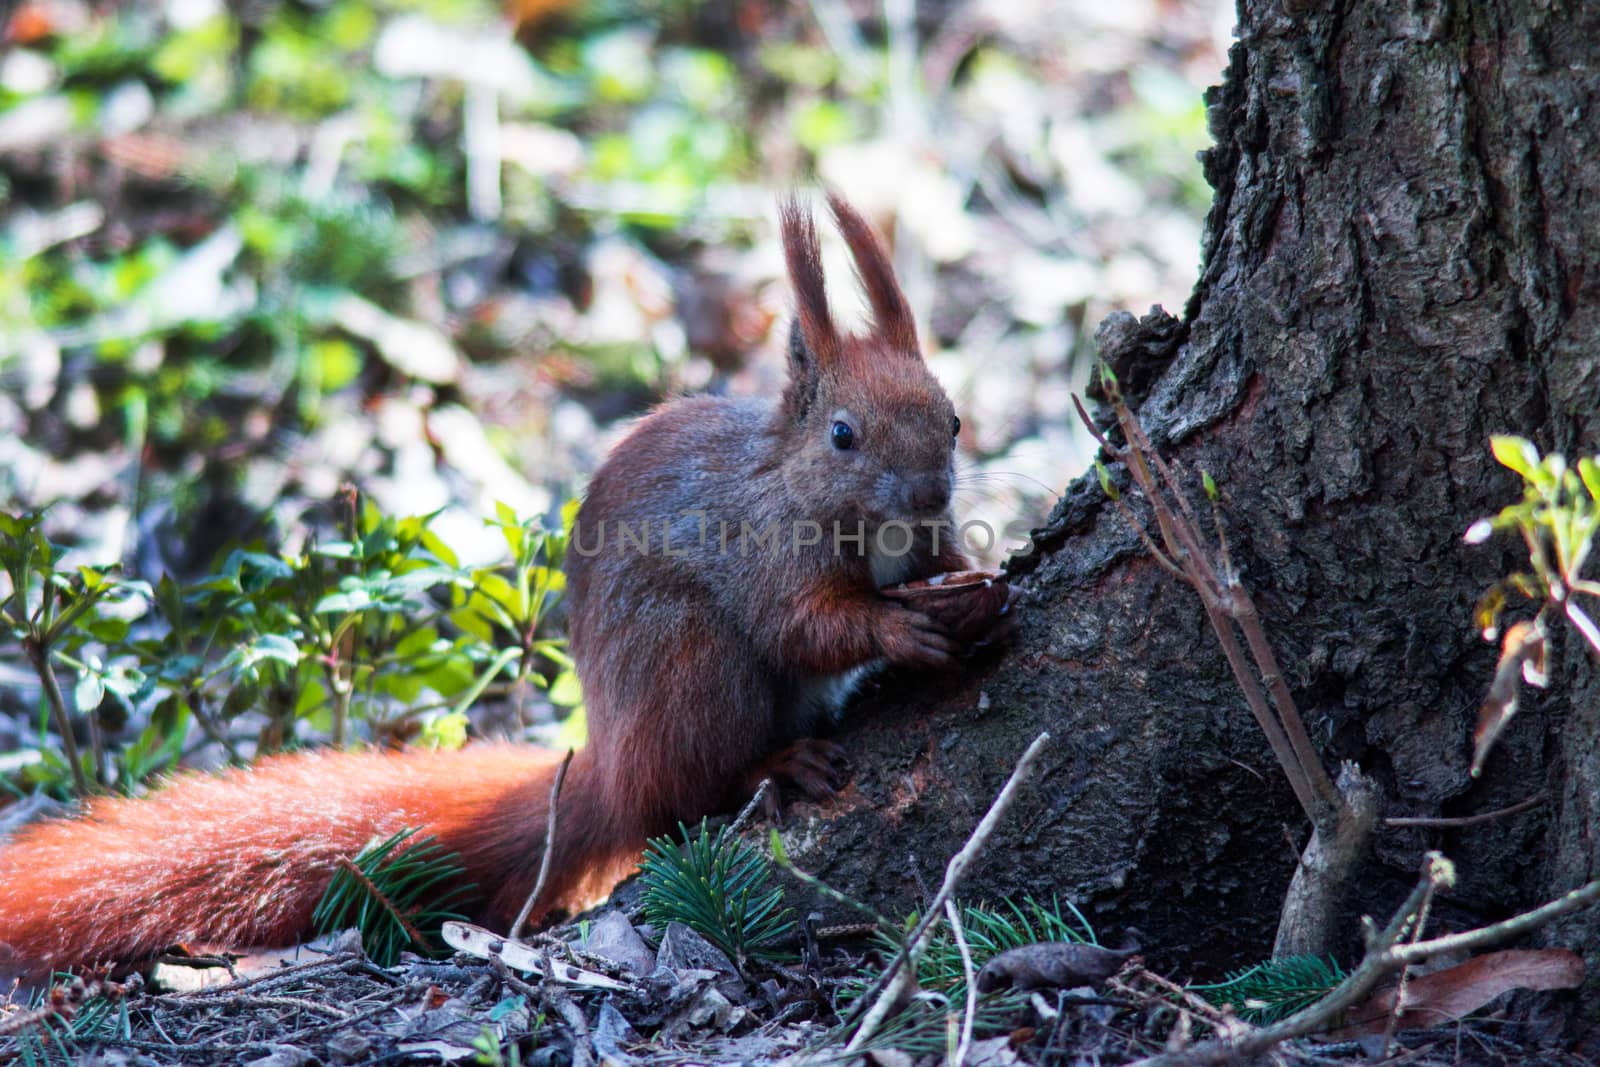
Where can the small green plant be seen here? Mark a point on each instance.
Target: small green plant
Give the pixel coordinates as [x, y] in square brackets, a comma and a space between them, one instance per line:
[398, 893]
[1557, 518]
[53, 613]
[1276, 989]
[381, 634]
[491, 1049]
[720, 888]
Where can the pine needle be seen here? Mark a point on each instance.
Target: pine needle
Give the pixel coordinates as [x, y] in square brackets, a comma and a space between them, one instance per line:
[1276, 989]
[720, 888]
[398, 893]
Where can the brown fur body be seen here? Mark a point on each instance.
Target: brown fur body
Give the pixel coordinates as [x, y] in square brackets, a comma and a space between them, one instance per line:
[708, 659]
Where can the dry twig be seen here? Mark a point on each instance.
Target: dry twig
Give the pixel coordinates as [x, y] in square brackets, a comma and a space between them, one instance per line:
[1342, 818]
[953, 915]
[897, 978]
[1442, 822]
[515, 932]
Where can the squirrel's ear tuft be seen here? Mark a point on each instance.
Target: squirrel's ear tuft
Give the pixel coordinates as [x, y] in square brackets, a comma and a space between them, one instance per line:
[891, 314]
[802, 253]
[801, 391]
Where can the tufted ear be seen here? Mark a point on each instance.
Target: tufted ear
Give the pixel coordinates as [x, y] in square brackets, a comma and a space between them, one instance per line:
[891, 314]
[813, 340]
[801, 391]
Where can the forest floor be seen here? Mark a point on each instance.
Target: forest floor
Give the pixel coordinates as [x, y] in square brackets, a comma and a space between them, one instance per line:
[254, 253]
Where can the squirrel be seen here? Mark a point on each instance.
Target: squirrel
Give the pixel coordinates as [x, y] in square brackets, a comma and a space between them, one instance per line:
[723, 597]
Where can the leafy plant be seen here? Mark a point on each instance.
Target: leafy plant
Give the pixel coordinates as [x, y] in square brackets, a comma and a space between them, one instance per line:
[381, 634]
[53, 613]
[719, 887]
[1273, 990]
[1557, 518]
[398, 893]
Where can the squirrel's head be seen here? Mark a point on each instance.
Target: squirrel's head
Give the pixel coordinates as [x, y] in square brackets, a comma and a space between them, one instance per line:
[871, 434]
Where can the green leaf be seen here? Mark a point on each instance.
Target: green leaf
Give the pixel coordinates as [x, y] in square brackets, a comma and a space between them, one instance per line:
[1517, 453]
[416, 642]
[107, 630]
[356, 599]
[566, 691]
[89, 691]
[266, 647]
[1107, 486]
[1589, 471]
[420, 579]
[502, 592]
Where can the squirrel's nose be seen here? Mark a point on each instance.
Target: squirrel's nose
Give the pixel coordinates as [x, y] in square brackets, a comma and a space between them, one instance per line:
[930, 494]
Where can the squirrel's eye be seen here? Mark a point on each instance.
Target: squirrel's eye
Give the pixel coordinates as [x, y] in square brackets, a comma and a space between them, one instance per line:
[843, 436]
[955, 426]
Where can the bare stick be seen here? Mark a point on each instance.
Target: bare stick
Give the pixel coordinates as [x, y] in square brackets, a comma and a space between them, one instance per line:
[953, 917]
[750, 806]
[549, 849]
[1244, 613]
[893, 983]
[780, 856]
[1341, 817]
[1467, 820]
[1226, 603]
[39, 656]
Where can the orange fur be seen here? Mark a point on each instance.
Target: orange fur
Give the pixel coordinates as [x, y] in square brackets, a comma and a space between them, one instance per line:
[241, 858]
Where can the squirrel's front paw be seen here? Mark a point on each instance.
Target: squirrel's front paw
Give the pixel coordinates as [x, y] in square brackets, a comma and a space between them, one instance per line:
[910, 638]
[817, 768]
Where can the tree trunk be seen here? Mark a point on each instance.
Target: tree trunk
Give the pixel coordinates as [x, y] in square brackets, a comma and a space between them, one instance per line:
[1403, 257]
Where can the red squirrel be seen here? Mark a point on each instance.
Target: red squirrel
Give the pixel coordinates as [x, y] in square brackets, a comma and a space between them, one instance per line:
[710, 651]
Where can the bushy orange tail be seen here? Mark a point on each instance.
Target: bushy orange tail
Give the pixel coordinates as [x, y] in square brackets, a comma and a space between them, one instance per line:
[240, 859]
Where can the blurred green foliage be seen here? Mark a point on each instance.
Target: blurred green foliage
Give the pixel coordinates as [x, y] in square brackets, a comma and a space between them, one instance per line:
[382, 636]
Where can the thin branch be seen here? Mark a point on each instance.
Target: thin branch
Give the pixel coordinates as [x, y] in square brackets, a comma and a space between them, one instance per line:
[893, 983]
[1166, 561]
[1272, 676]
[780, 856]
[1226, 603]
[953, 917]
[192, 701]
[39, 656]
[750, 806]
[515, 933]
[1467, 820]
[1403, 984]
[1253, 696]
[1584, 625]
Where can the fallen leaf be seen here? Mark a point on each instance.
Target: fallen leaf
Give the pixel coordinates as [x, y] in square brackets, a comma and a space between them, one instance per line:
[1446, 995]
[487, 945]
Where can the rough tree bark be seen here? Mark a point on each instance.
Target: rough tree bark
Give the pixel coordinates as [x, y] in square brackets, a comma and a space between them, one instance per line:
[1403, 256]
